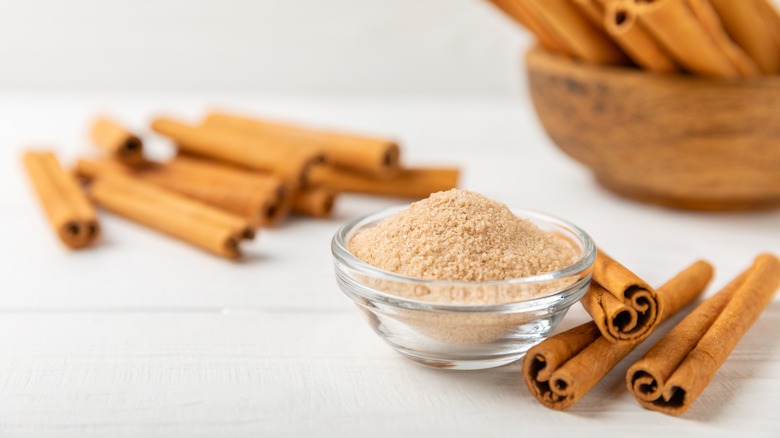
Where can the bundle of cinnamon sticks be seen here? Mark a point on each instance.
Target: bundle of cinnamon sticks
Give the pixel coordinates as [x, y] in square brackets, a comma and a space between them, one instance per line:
[231, 175]
[560, 370]
[717, 38]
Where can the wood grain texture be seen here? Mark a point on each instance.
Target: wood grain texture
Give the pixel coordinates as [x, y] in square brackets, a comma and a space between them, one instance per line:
[298, 373]
[194, 346]
[672, 140]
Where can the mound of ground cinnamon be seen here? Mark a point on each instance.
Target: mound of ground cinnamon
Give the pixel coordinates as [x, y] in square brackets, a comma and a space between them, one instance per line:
[459, 235]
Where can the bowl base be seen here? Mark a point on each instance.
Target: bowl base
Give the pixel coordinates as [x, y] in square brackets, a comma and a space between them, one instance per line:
[687, 203]
[464, 364]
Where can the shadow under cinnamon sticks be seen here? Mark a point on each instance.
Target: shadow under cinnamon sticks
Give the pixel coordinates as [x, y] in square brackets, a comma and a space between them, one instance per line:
[562, 369]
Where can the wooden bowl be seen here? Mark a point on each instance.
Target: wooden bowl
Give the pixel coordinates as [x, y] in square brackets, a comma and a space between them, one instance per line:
[679, 141]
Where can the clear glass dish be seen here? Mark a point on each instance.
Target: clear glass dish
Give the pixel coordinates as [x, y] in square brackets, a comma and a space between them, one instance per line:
[457, 336]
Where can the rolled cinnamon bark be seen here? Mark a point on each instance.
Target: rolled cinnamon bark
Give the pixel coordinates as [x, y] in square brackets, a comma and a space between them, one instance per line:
[708, 17]
[377, 157]
[560, 370]
[66, 206]
[411, 183]
[533, 23]
[621, 24]
[673, 24]
[114, 138]
[261, 198]
[670, 376]
[197, 223]
[271, 155]
[586, 41]
[771, 17]
[744, 23]
[314, 201]
[593, 10]
[622, 305]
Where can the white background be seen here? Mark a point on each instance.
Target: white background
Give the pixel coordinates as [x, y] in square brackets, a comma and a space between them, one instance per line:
[301, 47]
[144, 336]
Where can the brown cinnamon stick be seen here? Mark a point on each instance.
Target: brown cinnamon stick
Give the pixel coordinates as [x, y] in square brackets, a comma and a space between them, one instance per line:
[314, 201]
[708, 17]
[66, 206]
[771, 17]
[622, 305]
[593, 10]
[744, 23]
[377, 157]
[674, 25]
[412, 182]
[670, 376]
[261, 198]
[272, 155]
[560, 370]
[526, 17]
[586, 41]
[114, 138]
[621, 24]
[197, 223]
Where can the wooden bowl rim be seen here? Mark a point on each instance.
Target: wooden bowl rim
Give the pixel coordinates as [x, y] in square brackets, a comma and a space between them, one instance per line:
[540, 59]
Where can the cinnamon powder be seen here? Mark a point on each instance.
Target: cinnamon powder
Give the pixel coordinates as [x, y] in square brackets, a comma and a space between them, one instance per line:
[459, 235]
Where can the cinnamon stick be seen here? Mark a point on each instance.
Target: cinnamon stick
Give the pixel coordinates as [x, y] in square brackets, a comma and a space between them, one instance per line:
[593, 10]
[674, 25]
[377, 157]
[168, 212]
[708, 17]
[520, 13]
[114, 138]
[314, 201]
[412, 182]
[744, 23]
[670, 376]
[586, 41]
[261, 198]
[560, 370]
[621, 23]
[66, 206]
[270, 155]
[771, 17]
[622, 305]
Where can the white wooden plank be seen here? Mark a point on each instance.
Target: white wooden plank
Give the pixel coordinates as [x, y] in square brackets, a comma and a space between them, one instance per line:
[280, 373]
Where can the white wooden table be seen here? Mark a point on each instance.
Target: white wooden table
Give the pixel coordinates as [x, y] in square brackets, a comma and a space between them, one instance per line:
[145, 336]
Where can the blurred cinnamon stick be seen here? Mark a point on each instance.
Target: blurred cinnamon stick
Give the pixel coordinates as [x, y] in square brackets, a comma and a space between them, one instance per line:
[670, 376]
[673, 24]
[520, 13]
[412, 182]
[117, 140]
[745, 25]
[708, 17]
[314, 201]
[197, 223]
[261, 198]
[65, 204]
[271, 155]
[621, 23]
[586, 41]
[373, 156]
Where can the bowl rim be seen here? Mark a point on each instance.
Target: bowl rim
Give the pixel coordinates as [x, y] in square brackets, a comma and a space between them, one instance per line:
[583, 264]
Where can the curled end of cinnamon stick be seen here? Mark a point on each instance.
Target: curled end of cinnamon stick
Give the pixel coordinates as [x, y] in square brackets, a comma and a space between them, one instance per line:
[79, 233]
[625, 308]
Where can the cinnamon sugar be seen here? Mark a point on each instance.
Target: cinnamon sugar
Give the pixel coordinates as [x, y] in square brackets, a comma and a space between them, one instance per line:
[459, 235]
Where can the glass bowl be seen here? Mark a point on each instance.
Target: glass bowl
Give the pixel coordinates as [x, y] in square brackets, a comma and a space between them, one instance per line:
[463, 336]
